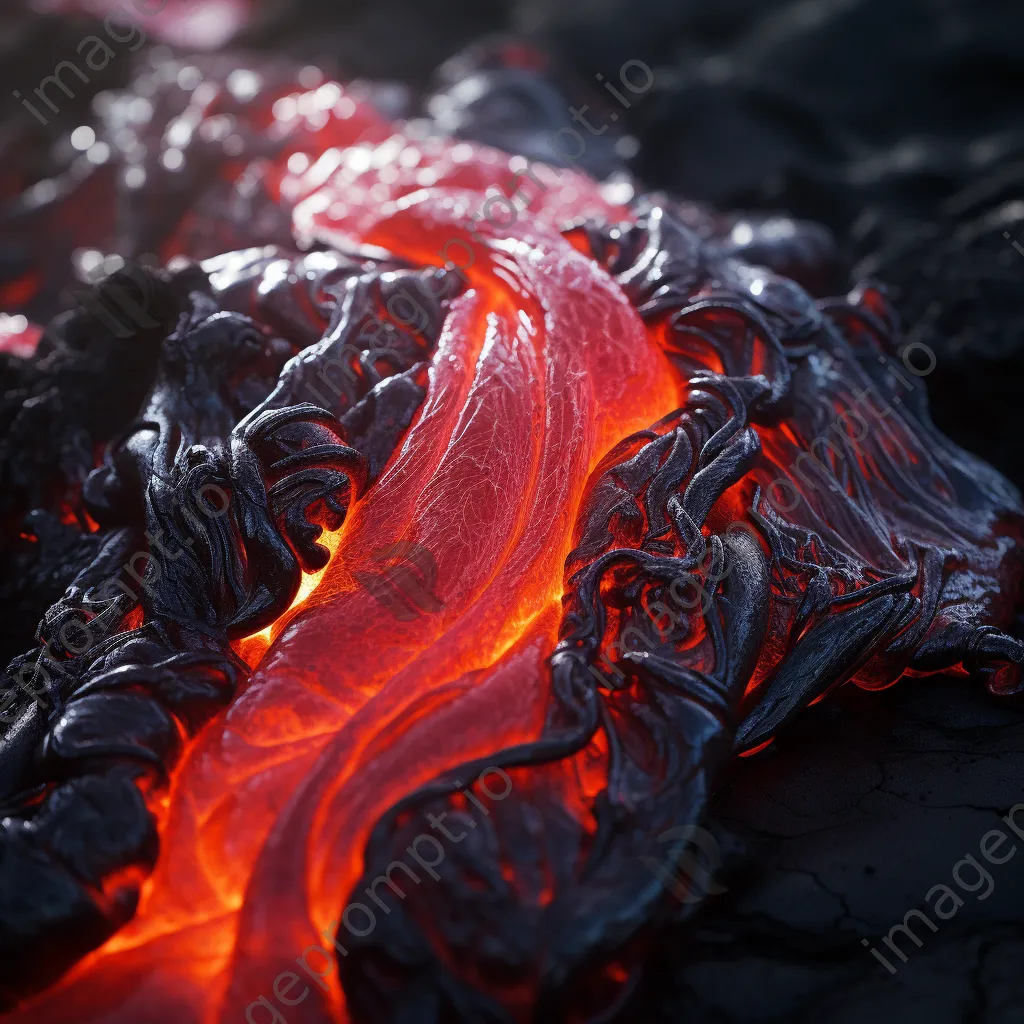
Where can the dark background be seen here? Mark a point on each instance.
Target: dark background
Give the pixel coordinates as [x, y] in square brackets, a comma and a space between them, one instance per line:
[900, 125]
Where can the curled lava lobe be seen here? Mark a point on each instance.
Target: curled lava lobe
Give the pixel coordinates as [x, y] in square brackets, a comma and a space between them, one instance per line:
[472, 447]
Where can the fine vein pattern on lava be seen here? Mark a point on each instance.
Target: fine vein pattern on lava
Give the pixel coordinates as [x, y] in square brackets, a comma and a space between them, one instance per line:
[437, 448]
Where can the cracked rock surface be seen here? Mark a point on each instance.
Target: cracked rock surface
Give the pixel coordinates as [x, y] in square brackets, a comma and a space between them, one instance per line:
[831, 838]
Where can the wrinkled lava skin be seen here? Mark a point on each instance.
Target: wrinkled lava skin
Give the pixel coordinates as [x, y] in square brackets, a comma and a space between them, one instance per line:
[592, 403]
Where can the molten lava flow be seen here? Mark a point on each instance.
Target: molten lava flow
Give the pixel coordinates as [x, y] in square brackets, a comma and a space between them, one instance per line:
[252, 648]
[460, 553]
[488, 480]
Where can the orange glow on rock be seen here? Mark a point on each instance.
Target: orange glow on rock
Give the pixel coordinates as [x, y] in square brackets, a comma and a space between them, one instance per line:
[542, 366]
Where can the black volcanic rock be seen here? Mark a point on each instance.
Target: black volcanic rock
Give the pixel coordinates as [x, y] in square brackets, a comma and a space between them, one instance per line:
[831, 838]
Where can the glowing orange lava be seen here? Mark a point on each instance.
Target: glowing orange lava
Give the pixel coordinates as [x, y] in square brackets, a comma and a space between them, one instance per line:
[542, 366]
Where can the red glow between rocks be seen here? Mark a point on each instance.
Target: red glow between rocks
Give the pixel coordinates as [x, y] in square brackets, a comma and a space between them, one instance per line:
[542, 366]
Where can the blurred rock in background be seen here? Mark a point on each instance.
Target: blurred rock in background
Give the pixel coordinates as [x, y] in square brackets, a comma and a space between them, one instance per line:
[899, 124]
